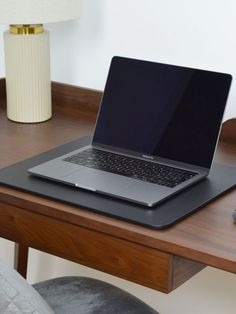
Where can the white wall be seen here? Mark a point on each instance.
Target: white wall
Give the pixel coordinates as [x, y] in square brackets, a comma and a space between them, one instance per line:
[186, 32]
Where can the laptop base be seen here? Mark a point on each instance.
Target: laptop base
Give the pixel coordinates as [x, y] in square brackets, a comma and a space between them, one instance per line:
[221, 179]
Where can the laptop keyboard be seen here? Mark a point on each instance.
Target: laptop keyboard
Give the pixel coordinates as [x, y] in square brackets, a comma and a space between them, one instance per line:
[131, 167]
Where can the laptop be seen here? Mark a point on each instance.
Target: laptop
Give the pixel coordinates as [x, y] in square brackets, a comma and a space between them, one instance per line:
[155, 134]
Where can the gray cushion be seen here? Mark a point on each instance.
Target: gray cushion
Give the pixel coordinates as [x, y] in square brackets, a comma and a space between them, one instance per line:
[81, 295]
[17, 296]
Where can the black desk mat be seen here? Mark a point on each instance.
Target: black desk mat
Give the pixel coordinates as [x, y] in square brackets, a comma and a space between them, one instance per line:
[221, 179]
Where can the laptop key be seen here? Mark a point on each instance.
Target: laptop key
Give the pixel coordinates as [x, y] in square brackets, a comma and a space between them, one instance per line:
[131, 167]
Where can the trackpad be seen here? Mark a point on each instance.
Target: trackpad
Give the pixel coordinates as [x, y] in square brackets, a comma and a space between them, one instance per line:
[97, 180]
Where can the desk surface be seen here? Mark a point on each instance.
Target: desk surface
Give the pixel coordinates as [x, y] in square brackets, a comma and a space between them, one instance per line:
[159, 259]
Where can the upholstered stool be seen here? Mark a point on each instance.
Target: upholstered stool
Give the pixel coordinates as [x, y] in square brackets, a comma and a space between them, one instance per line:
[81, 295]
[64, 295]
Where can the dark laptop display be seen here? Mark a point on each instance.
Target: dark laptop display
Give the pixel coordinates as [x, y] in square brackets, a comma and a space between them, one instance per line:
[162, 110]
[155, 136]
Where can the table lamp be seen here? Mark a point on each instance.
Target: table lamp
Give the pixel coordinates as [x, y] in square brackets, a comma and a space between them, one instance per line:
[27, 56]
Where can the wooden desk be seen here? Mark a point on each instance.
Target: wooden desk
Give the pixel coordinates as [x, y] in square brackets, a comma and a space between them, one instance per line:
[162, 260]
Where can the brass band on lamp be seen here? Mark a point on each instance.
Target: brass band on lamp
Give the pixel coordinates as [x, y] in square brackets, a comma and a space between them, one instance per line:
[28, 73]
[27, 29]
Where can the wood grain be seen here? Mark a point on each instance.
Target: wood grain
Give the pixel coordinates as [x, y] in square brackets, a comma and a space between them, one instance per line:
[206, 237]
[115, 256]
[77, 98]
[141, 264]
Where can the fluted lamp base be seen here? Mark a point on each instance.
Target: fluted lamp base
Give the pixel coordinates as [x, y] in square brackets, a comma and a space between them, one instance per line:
[28, 84]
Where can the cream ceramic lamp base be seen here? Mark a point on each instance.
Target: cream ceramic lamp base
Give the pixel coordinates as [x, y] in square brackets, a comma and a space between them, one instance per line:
[28, 82]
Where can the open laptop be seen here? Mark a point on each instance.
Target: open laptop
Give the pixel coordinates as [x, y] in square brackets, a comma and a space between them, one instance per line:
[155, 135]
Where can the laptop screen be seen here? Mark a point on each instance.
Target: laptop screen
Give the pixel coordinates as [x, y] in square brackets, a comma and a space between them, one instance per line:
[162, 110]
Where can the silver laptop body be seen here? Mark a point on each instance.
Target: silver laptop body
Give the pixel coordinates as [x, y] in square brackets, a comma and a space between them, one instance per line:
[162, 118]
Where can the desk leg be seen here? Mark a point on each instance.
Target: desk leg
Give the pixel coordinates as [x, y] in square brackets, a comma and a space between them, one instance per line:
[21, 259]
